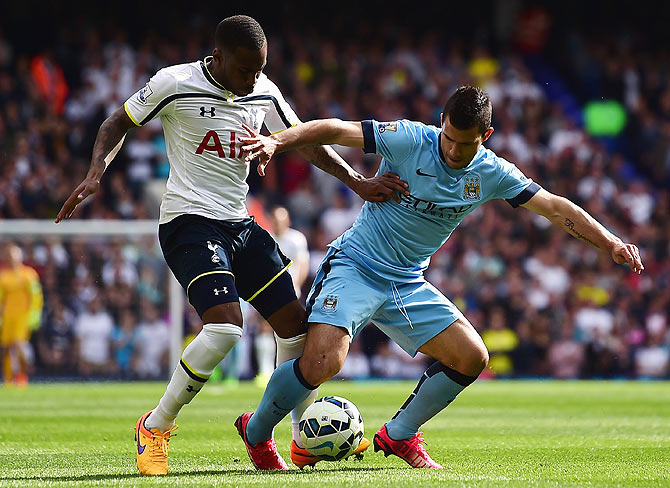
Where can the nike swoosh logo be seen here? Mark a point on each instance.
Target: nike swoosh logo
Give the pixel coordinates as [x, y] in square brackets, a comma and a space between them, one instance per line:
[140, 447]
[418, 171]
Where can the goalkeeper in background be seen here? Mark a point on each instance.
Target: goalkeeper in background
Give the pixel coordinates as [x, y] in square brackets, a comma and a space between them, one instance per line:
[21, 303]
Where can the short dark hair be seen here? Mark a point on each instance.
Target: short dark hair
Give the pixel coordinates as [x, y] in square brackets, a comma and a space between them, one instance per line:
[239, 31]
[469, 107]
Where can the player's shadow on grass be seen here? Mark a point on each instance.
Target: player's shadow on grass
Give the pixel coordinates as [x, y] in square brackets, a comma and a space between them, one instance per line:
[206, 472]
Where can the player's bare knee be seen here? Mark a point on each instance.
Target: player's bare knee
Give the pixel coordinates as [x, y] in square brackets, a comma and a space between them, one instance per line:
[474, 359]
[470, 359]
[486, 358]
[475, 355]
[480, 359]
[334, 364]
[225, 313]
[288, 321]
[325, 351]
[320, 367]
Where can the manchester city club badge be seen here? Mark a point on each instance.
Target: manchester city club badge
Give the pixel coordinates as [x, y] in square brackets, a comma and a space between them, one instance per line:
[329, 303]
[471, 188]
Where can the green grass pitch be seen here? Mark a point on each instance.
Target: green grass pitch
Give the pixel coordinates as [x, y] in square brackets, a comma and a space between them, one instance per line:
[504, 433]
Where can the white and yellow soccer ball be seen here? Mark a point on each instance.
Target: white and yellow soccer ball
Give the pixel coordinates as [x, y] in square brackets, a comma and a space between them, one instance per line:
[331, 428]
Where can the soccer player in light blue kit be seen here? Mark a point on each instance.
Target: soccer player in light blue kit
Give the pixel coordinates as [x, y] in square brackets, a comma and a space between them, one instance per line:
[374, 271]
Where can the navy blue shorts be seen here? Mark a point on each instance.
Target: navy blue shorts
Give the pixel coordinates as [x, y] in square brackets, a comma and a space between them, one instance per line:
[219, 262]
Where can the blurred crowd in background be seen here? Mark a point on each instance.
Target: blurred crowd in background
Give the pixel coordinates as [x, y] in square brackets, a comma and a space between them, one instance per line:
[545, 303]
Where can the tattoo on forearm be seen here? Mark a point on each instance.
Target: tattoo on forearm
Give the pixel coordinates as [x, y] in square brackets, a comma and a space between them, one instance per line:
[571, 225]
[326, 162]
[109, 135]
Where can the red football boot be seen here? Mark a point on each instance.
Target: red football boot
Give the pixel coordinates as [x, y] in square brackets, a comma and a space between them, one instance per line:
[411, 451]
[264, 454]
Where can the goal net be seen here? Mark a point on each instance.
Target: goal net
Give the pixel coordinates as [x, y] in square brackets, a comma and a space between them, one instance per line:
[97, 272]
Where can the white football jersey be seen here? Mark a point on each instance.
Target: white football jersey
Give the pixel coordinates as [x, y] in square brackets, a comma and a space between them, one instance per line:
[202, 122]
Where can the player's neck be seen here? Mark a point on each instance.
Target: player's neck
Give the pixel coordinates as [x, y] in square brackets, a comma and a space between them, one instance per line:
[216, 71]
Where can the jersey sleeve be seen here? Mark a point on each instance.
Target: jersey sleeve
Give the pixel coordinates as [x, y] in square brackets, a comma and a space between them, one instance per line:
[153, 99]
[280, 116]
[394, 141]
[514, 186]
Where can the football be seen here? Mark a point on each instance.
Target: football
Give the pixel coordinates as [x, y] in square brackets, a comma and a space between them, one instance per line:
[331, 428]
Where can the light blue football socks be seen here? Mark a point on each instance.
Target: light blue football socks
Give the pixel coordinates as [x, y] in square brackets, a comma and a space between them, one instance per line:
[286, 389]
[437, 388]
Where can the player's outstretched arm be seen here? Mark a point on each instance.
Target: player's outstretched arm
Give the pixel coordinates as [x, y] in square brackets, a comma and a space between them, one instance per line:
[376, 189]
[109, 140]
[312, 139]
[576, 221]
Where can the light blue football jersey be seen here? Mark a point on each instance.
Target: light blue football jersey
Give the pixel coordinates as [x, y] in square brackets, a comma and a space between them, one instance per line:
[396, 240]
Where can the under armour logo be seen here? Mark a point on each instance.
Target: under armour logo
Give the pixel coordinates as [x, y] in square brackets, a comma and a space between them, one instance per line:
[190, 389]
[224, 290]
[210, 111]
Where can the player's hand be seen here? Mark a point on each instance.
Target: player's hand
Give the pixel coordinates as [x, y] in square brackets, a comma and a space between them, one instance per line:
[628, 253]
[258, 146]
[381, 188]
[87, 187]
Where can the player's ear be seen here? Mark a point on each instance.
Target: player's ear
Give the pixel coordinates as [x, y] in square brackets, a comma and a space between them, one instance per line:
[487, 134]
[441, 119]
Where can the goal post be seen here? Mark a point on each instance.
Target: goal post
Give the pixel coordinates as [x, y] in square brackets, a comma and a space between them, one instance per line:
[101, 231]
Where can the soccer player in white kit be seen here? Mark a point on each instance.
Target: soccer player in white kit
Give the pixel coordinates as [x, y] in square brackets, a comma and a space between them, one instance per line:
[216, 251]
